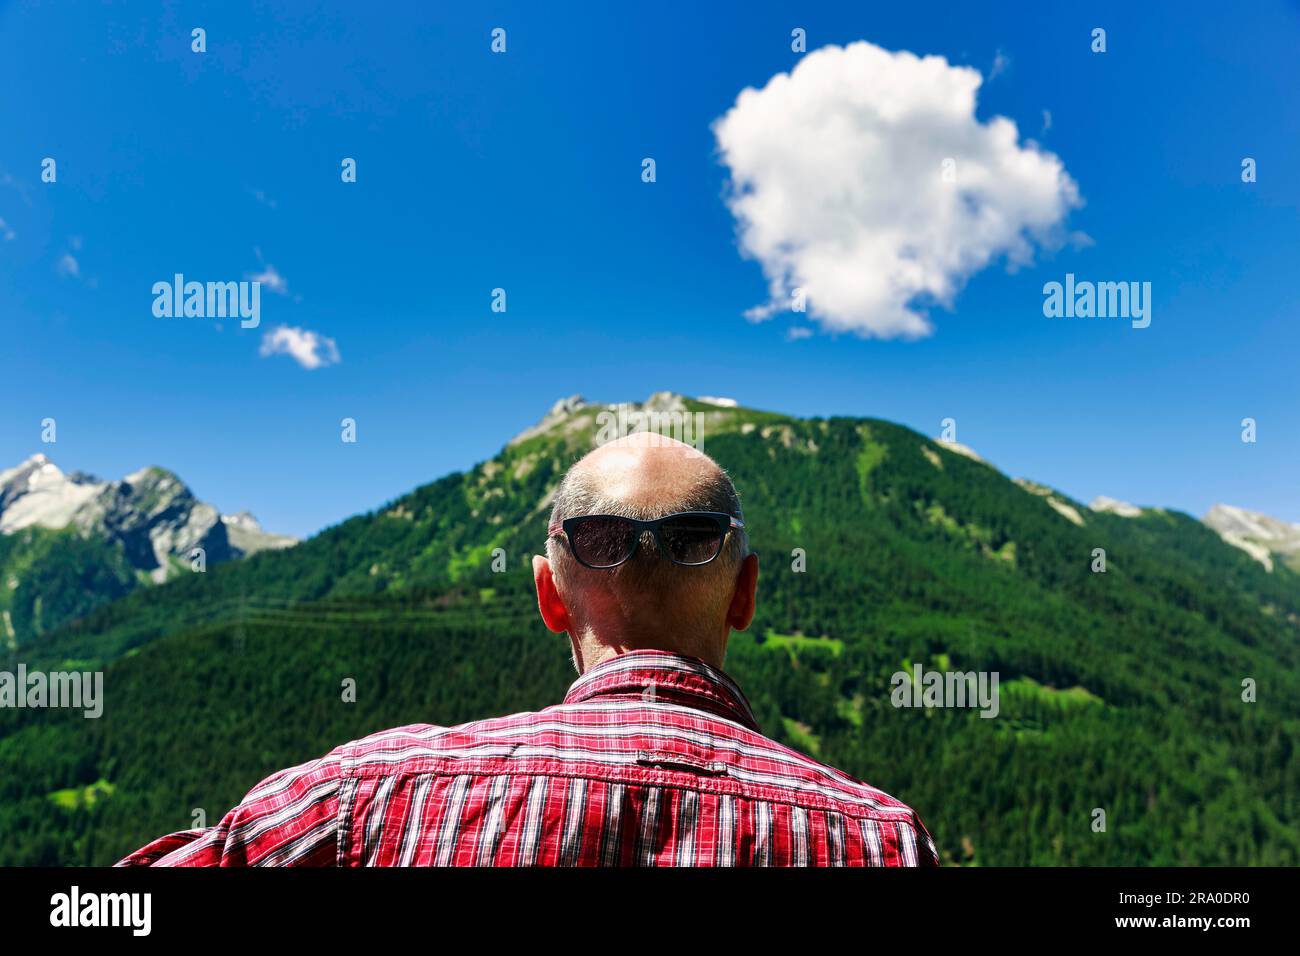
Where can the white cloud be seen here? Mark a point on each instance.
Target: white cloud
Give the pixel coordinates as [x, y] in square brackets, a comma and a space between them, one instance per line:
[272, 280]
[68, 266]
[309, 349]
[837, 187]
[7, 232]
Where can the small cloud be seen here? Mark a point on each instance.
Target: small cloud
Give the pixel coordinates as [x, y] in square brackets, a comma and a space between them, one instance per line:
[7, 179]
[270, 277]
[1047, 121]
[1001, 62]
[309, 349]
[263, 198]
[272, 280]
[6, 232]
[68, 265]
[798, 332]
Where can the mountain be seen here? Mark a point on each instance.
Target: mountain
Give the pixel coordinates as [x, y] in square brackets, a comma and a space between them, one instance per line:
[70, 542]
[246, 535]
[1160, 690]
[1259, 535]
[1114, 506]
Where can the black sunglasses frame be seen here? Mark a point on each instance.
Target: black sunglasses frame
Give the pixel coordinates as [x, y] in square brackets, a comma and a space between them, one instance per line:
[725, 522]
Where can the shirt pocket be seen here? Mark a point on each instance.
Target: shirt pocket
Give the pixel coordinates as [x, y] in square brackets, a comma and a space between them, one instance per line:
[696, 760]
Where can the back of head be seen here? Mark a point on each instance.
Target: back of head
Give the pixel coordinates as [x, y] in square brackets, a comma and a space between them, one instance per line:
[649, 601]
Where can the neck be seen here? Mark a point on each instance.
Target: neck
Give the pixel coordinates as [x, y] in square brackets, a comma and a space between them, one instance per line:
[591, 651]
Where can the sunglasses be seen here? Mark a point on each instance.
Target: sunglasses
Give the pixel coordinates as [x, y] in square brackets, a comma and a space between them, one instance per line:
[692, 538]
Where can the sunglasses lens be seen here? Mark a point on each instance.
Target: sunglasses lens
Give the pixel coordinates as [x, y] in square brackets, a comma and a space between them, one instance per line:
[692, 539]
[603, 542]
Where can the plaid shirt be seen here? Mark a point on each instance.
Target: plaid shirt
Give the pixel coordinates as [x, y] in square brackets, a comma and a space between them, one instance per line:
[653, 759]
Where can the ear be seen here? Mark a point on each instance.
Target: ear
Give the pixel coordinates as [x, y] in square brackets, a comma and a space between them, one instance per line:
[549, 602]
[741, 611]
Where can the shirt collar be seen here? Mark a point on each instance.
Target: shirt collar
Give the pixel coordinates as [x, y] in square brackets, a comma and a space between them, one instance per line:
[672, 678]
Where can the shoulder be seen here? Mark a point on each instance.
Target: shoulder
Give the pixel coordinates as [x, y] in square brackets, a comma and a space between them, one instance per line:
[855, 794]
[881, 816]
[414, 747]
[288, 819]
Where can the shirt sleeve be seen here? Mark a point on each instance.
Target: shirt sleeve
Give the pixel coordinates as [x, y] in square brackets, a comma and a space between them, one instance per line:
[927, 854]
[289, 819]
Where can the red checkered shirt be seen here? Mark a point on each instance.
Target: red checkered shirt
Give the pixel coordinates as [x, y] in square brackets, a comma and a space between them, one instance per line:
[653, 759]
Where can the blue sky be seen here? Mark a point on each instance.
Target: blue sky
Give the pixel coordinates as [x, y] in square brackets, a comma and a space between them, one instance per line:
[523, 171]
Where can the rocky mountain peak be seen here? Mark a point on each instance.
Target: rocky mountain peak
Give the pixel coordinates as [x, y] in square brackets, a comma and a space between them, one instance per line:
[1261, 536]
[1115, 506]
[150, 514]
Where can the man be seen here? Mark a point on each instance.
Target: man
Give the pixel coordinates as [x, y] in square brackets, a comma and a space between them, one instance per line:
[653, 759]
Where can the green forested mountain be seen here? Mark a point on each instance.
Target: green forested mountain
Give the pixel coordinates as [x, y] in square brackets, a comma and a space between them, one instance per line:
[1120, 691]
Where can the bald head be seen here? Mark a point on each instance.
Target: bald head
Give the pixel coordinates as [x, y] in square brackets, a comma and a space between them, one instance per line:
[645, 476]
[647, 602]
